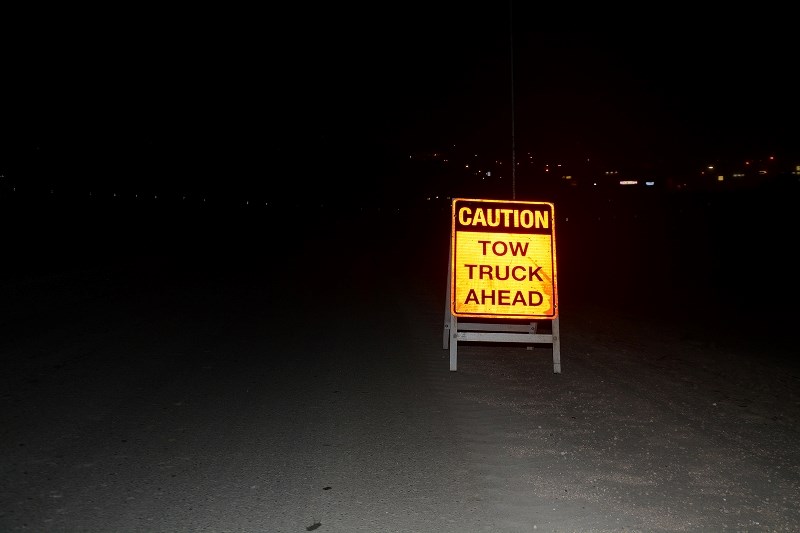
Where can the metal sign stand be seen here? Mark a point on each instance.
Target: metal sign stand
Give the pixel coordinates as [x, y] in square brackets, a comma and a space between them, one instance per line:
[456, 331]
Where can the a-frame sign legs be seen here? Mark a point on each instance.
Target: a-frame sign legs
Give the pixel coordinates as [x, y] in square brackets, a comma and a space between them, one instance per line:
[512, 331]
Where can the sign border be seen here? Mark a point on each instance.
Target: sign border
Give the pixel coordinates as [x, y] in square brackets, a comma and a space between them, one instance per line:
[452, 265]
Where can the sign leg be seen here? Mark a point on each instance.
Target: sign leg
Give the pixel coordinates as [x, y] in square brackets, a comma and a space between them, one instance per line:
[556, 347]
[534, 327]
[453, 342]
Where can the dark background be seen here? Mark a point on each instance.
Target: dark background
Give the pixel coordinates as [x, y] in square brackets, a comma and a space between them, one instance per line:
[324, 101]
[177, 133]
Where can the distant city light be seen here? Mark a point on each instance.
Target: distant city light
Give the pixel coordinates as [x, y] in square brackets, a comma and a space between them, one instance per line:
[738, 173]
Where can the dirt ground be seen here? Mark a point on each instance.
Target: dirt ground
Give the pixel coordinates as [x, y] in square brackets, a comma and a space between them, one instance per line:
[288, 381]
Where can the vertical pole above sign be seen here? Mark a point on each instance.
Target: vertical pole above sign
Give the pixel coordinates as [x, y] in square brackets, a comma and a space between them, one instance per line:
[502, 265]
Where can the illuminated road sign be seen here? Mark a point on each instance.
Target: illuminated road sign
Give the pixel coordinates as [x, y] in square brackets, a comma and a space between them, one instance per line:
[503, 257]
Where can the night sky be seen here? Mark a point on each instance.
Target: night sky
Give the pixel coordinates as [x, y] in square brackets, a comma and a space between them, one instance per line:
[315, 100]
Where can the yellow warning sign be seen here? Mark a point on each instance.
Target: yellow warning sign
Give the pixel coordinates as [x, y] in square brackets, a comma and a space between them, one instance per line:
[503, 259]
